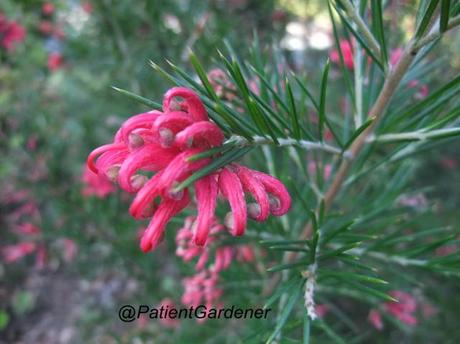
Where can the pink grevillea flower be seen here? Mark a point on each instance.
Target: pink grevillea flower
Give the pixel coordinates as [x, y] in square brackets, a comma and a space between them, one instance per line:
[69, 249]
[422, 90]
[45, 27]
[223, 256]
[41, 257]
[95, 184]
[13, 253]
[375, 319]
[395, 55]
[404, 309]
[161, 143]
[27, 228]
[201, 289]
[10, 33]
[221, 84]
[347, 52]
[47, 8]
[168, 304]
[326, 173]
[55, 61]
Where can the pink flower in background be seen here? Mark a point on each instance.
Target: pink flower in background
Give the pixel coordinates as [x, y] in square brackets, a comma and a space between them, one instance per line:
[162, 143]
[375, 319]
[13, 253]
[347, 51]
[449, 163]
[47, 8]
[312, 169]
[87, 7]
[202, 289]
[395, 55]
[55, 61]
[27, 228]
[69, 249]
[221, 84]
[41, 257]
[32, 142]
[10, 33]
[404, 309]
[167, 303]
[422, 89]
[321, 310]
[45, 27]
[95, 184]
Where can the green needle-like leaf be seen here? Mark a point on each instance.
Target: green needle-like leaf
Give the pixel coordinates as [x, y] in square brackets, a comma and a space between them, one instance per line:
[140, 99]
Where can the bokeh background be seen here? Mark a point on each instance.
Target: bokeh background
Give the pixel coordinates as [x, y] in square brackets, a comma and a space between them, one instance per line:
[70, 255]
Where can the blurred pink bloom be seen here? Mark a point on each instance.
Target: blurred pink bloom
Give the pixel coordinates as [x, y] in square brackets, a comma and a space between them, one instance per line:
[449, 163]
[428, 310]
[87, 7]
[422, 90]
[10, 33]
[47, 8]
[221, 84]
[395, 55]
[245, 254]
[326, 173]
[55, 61]
[418, 201]
[27, 228]
[45, 27]
[13, 253]
[321, 310]
[163, 142]
[32, 142]
[404, 309]
[375, 319]
[347, 52]
[201, 289]
[167, 303]
[95, 184]
[41, 257]
[70, 249]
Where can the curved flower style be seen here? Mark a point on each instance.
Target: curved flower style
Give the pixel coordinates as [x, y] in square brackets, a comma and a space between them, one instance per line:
[162, 143]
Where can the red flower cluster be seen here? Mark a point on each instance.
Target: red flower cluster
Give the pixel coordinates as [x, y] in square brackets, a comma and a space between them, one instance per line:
[10, 32]
[163, 142]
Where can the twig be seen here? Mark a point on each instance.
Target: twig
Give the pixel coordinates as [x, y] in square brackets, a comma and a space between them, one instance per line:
[435, 34]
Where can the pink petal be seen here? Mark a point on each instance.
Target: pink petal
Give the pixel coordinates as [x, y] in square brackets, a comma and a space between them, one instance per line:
[145, 196]
[100, 150]
[143, 120]
[206, 196]
[202, 134]
[252, 185]
[282, 203]
[152, 155]
[231, 188]
[179, 169]
[195, 107]
[166, 210]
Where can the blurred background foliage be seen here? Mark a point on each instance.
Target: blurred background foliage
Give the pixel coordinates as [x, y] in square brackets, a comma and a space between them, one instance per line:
[51, 118]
